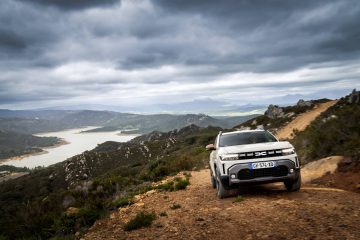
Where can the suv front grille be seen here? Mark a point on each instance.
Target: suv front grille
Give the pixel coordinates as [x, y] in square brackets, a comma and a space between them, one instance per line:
[260, 154]
[246, 174]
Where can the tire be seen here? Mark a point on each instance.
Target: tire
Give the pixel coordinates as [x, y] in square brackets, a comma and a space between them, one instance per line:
[220, 190]
[293, 186]
[213, 181]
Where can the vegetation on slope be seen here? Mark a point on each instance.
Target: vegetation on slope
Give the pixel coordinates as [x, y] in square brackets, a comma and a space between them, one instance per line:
[335, 132]
[15, 144]
[273, 124]
[68, 197]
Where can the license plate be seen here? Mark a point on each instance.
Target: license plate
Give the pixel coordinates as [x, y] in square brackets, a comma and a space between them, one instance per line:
[262, 165]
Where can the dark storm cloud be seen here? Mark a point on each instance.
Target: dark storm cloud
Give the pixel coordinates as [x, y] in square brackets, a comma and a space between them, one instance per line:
[283, 31]
[129, 48]
[72, 4]
[10, 41]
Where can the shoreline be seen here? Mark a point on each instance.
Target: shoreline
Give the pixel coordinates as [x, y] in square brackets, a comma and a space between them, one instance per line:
[43, 151]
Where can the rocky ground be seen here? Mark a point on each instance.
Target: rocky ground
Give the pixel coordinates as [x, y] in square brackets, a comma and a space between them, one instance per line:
[263, 212]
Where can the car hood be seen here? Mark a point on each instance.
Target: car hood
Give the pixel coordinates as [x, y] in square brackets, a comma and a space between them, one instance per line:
[254, 147]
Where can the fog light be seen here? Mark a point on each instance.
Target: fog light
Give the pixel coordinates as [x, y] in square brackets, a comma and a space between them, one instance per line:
[291, 170]
[233, 176]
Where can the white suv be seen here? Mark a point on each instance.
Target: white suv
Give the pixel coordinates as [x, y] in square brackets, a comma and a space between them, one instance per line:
[252, 157]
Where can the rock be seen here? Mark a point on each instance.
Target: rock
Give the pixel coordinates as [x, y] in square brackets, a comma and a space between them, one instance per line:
[354, 97]
[139, 204]
[274, 111]
[199, 219]
[148, 193]
[260, 127]
[303, 103]
[243, 128]
[72, 211]
[68, 201]
[357, 186]
[289, 115]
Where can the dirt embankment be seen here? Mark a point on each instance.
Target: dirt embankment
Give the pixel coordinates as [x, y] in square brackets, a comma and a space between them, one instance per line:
[303, 120]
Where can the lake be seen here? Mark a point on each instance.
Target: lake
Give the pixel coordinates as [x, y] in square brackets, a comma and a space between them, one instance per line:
[78, 143]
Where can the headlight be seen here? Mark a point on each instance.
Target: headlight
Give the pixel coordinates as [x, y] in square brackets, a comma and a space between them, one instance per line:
[288, 151]
[229, 157]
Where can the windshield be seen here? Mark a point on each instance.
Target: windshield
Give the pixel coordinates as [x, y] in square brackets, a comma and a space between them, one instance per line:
[242, 138]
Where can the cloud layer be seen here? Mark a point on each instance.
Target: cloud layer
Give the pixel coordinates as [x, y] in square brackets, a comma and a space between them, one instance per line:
[139, 52]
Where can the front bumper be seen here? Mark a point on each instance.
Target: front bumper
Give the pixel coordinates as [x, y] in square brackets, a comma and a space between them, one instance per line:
[245, 176]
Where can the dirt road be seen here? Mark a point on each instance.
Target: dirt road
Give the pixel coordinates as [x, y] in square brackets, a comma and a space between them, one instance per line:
[303, 120]
[265, 212]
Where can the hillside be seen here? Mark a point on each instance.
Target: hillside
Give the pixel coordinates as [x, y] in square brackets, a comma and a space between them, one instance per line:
[335, 132]
[65, 199]
[92, 181]
[15, 144]
[277, 117]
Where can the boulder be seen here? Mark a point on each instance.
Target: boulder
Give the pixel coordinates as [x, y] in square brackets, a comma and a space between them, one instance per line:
[303, 103]
[354, 97]
[274, 111]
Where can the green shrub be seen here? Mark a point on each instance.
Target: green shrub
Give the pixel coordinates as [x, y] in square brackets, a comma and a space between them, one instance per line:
[142, 219]
[187, 175]
[163, 214]
[181, 184]
[239, 198]
[68, 224]
[123, 201]
[173, 185]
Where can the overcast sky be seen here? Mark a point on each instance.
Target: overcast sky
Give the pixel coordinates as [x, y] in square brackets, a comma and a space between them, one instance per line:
[135, 52]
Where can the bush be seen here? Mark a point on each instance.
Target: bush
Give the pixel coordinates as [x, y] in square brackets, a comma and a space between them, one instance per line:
[239, 198]
[163, 214]
[70, 223]
[142, 219]
[174, 185]
[181, 184]
[123, 201]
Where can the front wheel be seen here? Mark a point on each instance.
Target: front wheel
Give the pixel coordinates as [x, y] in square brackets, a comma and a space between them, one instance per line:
[293, 186]
[220, 189]
[213, 181]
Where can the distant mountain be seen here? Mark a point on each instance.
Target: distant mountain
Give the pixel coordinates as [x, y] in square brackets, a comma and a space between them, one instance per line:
[208, 106]
[28, 121]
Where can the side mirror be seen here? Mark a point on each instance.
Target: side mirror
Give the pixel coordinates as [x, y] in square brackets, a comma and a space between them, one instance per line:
[210, 147]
